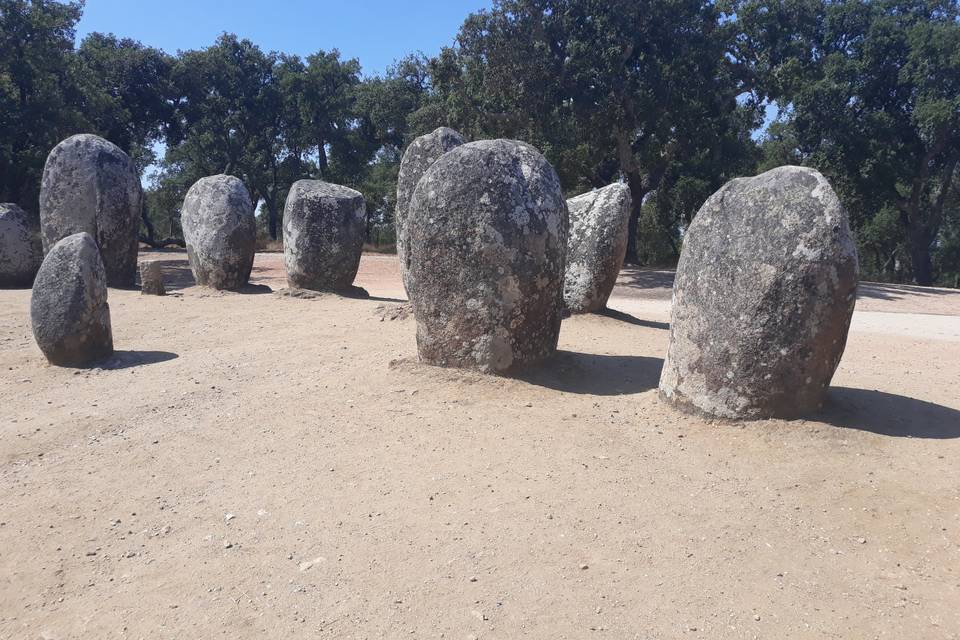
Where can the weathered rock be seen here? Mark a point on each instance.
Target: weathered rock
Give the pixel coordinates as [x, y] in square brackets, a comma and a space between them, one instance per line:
[763, 297]
[324, 226]
[220, 232]
[90, 185]
[596, 246]
[488, 237]
[151, 279]
[68, 304]
[419, 156]
[20, 248]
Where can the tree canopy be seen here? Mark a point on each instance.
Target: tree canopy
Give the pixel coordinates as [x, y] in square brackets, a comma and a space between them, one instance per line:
[669, 96]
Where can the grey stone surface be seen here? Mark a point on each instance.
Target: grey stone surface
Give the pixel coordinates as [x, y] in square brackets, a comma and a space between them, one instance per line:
[324, 226]
[151, 279]
[419, 156]
[488, 237]
[90, 185]
[220, 232]
[763, 297]
[68, 304]
[20, 248]
[596, 246]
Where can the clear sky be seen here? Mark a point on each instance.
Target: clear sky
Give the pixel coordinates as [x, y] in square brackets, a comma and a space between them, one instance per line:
[377, 32]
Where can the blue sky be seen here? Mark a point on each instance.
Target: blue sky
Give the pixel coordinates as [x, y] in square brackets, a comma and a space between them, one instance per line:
[377, 32]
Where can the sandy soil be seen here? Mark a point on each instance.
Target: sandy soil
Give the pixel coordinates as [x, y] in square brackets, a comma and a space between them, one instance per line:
[259, 466]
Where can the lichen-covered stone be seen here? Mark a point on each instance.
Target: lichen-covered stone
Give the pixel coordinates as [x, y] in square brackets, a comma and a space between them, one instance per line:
[324, 226]
[20, 248]
[596, 246]
[220, 232]
[151, 279]
[763, 297]
[419, 156]
[90, 184]
[488, 237]
[68, 304]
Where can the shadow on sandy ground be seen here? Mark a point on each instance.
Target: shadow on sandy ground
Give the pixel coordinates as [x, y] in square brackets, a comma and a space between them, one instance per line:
[128, 359]
[595, 374]
[889, 414]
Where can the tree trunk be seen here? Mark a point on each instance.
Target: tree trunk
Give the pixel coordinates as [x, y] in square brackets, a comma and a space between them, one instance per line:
[922, 262]
[637, 193]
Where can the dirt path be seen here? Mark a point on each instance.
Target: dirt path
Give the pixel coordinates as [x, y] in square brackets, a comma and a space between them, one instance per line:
[257, 466]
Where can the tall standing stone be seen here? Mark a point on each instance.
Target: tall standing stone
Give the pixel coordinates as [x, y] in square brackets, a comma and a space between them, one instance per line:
[324, 226]
[220, 232]
[419, 156]
[20, 248]
[488, 239]
[68, 304]
[90, 185]
[596, 246]
[763, 297]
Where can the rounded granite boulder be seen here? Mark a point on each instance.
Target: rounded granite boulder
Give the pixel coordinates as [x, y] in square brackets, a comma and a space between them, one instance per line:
[220, 232]
[596, 246]
[91, 185]
[68, 304]
[20, 249]
[324, 226]
[763, 297]
[419, 156]
[488, 240]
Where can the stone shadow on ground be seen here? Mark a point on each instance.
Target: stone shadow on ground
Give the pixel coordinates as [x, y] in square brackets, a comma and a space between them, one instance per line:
[630, 319]
[595, 374]
[889, 414]
[887, 291]
[128, 359]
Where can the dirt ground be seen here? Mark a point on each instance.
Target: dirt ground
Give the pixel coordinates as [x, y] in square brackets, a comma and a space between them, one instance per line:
[251, 465]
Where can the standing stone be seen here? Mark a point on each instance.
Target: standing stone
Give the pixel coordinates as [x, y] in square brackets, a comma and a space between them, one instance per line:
[324, 226]
[151, 279]
[20, 249]
[488, 239]
[596, 246]
[220, 232]
[763, 297]
[419, 156]
[90, 185]
[68, 304]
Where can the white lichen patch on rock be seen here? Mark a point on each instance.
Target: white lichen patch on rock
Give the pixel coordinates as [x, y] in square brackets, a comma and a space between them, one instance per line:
[596, 246]
[762, 300]
[487, 246]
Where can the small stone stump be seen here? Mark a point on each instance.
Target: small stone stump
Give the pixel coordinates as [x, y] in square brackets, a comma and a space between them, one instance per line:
[90, 184]
[220, 232]
[419, 156]
[20, 248]
[324, 226]
[597, 244]
[763, 297]
[68, 304]
[151, 279]
[488, 236]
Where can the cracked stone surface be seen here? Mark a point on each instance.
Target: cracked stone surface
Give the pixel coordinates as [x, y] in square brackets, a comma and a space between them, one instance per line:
[91, 185]
[488, 237]
[763, 298]
[220, 232]
[419, 156]
[21, 251]
[596, 246]
[324, 226]
[68, 304]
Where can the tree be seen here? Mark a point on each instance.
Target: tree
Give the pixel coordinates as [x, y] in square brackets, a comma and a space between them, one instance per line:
[872, 91]
[39, 92]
